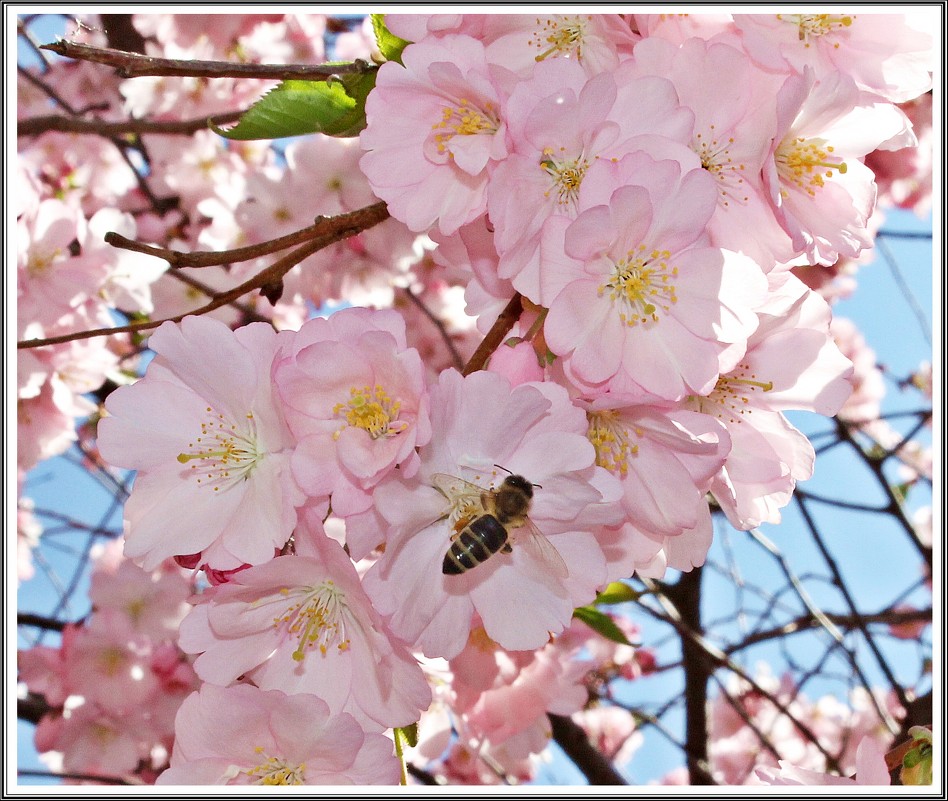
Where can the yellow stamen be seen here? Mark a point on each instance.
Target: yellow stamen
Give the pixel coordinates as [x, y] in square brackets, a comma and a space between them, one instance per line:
[613, 439]
[373, 410]
[643, 282]
[813, 26]
[807, 163]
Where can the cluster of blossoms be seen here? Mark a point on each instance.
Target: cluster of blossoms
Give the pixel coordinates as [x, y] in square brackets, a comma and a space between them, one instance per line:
[116, 681]
[321, 471]
[805, 731]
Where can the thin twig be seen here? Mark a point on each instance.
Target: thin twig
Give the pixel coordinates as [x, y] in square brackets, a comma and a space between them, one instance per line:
[907, 293]
[439, 324]
[78, 777]
[135, 65]
[888, 617]
[840, 584]
[249, 314]
[323, 226]
[47, 90]
[716, 655]
[40, 622]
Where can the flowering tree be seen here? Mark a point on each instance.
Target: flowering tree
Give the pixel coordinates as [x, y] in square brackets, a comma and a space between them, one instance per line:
[446, 372]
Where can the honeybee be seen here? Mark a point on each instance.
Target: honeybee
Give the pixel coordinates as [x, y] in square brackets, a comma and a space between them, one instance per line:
[491, 521]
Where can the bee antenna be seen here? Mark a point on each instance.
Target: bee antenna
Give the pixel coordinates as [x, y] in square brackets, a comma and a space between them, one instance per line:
[501, 467]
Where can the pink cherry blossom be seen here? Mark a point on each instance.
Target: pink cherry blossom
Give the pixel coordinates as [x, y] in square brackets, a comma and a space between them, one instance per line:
[303, 624]
[355, 398]
[559, 123]
[665, 460]
[501, 695]
[888, 54]
[153, 604]
[209, 441]
[612, 731]
[109, 663]
[597, 42]
[94, 741]
[871, 769]
[531, 430]
[242, 735]
[415, 27]
[678, 28]
[733, 127]
[791, 363]
[904, 176]
[868, 384]
[51, 282]
[434, 129]
[822, 193]
[640, 305]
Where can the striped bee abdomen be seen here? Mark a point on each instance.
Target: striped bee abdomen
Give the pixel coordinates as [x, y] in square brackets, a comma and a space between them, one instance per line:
[480, 540]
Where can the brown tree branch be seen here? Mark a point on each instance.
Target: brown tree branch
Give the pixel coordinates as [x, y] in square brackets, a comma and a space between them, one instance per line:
[135, 65]
[718, 658]
[322, 226]
[890, 617]
[686, 595]
[36, 126]
[590, 760]
[39, 621]
[346, 225]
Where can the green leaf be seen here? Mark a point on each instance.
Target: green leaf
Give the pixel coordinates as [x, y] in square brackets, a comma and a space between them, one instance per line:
[409, 734]
[390, 45]
[601, 623]
[917, 763]
[294, 108]
[616, 593]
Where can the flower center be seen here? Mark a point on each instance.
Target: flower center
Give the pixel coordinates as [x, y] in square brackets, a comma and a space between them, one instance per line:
[225, 454]
[567, 175]
[373, 410]
[730, 400]
[716, 158]
[276, 771]
[39, 261]
[815, 25]
[464, 119]
[611, 437]
[560, 35]
[807, 162]
[317, 619]
[644, 284]
[111, 660]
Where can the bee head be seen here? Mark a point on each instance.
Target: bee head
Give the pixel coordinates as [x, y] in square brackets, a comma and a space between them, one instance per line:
[520, 483]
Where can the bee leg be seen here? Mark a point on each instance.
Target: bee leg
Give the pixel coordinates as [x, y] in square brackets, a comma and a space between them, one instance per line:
[505, 548]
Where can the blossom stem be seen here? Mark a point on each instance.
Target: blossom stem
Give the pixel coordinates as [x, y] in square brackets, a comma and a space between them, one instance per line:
[495, 336]
[399, 752]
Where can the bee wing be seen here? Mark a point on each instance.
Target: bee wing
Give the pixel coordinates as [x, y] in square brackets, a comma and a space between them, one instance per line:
[453, 487]
[531, 540]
